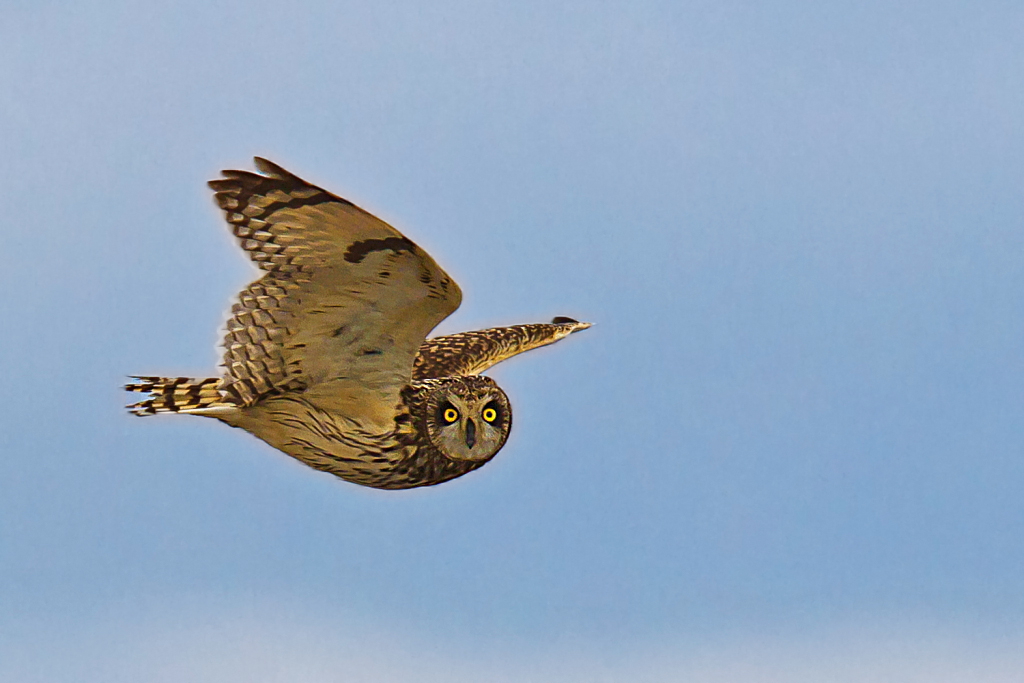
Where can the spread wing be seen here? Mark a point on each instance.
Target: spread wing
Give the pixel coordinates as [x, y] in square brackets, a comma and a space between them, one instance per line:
[343, 307]
[470, 353]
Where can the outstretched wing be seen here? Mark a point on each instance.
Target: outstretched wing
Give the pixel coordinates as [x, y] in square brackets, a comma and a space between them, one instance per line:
[345, 303]
[470, 353]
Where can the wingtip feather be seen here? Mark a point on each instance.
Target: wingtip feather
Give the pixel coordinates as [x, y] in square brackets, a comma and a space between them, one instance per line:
[269, 168]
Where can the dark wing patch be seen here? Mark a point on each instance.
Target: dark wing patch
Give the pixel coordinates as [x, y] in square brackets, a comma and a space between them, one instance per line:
[359, 250]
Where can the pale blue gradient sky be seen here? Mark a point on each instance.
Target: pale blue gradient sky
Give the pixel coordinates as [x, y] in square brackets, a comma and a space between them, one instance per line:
[797, 227]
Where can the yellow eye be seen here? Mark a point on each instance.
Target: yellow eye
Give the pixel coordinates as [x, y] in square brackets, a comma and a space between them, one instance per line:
[451, 415]
[490, 414]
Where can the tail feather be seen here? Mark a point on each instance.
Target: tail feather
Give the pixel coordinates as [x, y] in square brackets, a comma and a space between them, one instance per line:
[176, 395]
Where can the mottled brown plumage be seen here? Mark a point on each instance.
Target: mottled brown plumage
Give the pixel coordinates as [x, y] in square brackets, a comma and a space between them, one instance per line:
[325, 356]
[470, 353]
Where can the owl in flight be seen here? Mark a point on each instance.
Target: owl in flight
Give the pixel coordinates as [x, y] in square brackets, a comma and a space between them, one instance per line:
[326, 356]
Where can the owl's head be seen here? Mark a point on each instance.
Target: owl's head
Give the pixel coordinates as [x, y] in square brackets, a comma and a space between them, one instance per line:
[467, 418]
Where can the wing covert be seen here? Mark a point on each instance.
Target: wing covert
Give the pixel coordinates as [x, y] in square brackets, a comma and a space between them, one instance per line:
[345, 303]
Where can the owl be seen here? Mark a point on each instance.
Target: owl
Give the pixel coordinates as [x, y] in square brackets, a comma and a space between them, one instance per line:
[326, 356]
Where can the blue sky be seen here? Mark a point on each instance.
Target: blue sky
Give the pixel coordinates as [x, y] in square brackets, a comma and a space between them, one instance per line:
[789, 449]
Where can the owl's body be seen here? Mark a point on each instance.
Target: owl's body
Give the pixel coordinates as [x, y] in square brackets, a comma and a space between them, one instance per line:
[326, 356]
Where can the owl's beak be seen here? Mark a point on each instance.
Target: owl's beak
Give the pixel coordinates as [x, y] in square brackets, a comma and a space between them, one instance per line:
[470, 434]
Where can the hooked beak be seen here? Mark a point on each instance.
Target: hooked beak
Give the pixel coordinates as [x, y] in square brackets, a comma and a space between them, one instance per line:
[470, 434]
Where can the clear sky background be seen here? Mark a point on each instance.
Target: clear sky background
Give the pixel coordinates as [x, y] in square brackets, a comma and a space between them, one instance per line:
[790, 448]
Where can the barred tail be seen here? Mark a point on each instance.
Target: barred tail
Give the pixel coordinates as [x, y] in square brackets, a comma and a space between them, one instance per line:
[176, 395]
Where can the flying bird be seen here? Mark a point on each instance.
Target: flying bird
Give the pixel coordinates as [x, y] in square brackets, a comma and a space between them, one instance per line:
[326, 356]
